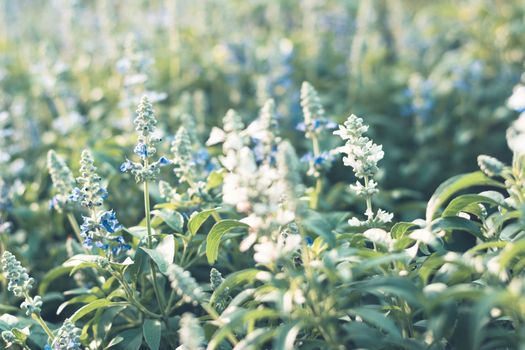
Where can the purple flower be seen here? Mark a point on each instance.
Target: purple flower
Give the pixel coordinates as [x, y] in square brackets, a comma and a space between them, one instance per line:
[141, 150]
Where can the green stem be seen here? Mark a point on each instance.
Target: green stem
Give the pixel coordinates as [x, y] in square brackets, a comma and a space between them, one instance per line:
[318, 182]
[74, 224]
[133, 300]
[147, 213]
[215, 316]
[216, 216]
[44, 326]
[368, 198]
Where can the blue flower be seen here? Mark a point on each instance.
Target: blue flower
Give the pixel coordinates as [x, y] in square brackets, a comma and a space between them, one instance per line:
[120, 247]
[88, 242]
[108, 221]
[54, 203]
[331, 125]
[301, 127]
[103, 246]
[126, 166]
[164, 161]
[307, 157]
[103, 193]
[201, 156]
[75, 195]
[309, 240]
[141, 150]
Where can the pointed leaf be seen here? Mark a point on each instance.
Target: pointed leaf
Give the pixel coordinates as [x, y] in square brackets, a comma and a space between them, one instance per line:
[214, 237]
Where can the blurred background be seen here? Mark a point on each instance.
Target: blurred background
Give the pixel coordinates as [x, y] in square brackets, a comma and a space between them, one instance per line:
[431, 78]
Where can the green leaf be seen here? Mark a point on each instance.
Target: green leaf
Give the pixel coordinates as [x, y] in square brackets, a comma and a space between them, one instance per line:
[458, 223]
[152, 330]
[214, 237]
[458, 204]
[172, 218]
[94, 305]
[51, 276]
[137, 231]
[453, 185]
[215, 179]
[132, 339]
[286, 335]
[114, 342]
[158, 258]
[81, 261]
[238, 318]
[401, 228]
[244, 277]
[85, 298]
[377, 319]
[197, 219]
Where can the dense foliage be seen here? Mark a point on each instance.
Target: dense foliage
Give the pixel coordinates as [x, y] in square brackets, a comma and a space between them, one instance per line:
[167, 181]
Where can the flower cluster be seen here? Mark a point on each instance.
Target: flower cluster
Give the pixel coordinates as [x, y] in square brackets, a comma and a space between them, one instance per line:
[223, 298]
[263, 188]
[20, 284]
[145, 125]
[313, 112]
[62, 179]
[67, 337]
[269, 251]
[215, 278]
[183, 156]
[99, 227]
[99, 232]
[421, 95]
[362, 154]
[264, 134]
[314, 124]
[185, 285]
[91, 194]
[231, 136]
[191, 334]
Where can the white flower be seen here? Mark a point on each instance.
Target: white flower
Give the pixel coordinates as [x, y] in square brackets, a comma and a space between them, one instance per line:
[517, 100]
[516, 135]
[423, 236]
[379, 236]
[269, 251]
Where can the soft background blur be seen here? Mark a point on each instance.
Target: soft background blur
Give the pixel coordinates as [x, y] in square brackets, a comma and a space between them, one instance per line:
[430, 77]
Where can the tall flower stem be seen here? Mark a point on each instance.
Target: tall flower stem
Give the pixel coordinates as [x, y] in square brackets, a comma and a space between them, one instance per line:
[368, 198]
[318, 181]
[74, 224]
[44, 326]
[40, 321]
[147, 213]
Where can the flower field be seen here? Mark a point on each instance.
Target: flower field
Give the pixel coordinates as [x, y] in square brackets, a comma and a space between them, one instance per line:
[227, 174]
